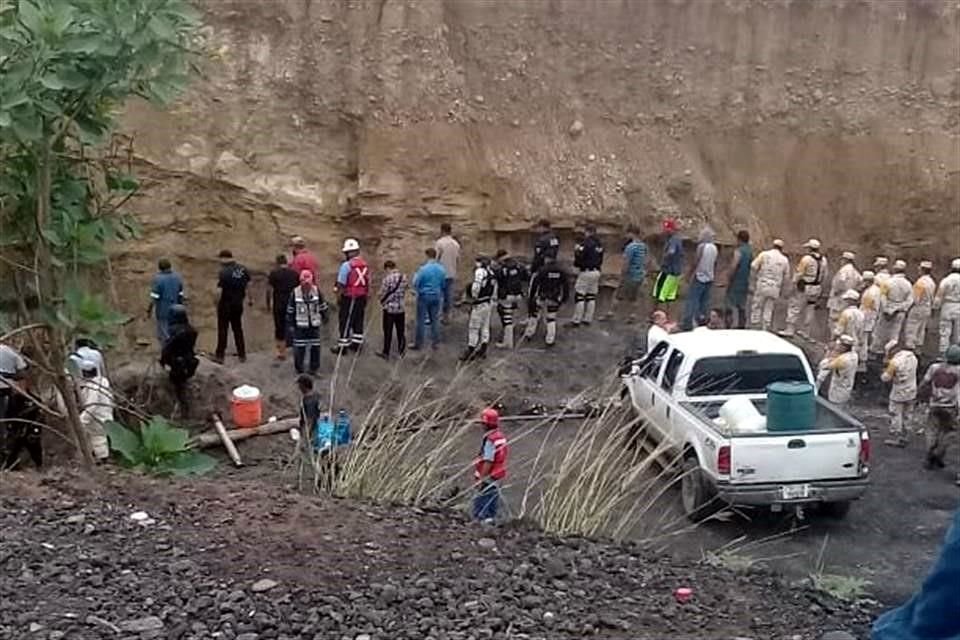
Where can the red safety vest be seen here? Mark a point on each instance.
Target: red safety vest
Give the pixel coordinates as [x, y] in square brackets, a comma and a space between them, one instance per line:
[498, 471]
[358, 279]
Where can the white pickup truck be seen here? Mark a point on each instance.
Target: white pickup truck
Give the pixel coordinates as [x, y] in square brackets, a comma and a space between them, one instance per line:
[678, 389]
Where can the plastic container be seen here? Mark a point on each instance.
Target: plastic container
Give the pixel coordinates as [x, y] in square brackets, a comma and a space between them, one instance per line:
[741, 416]
[341, 430]
[246, 407]
[791, 406]
[323, 434]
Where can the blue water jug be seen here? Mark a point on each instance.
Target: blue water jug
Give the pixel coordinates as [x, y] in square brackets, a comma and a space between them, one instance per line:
[341, 430]
[323, 434]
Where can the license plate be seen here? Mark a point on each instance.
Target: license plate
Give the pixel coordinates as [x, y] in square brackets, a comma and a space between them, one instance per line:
[795, 492]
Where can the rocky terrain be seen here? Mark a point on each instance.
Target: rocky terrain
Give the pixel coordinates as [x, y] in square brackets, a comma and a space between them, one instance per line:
[248, 562]
[382, 118]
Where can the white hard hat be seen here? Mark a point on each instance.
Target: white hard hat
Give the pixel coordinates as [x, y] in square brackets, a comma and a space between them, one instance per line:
[926, 264]
[88, 365]
[955, 263]
[880, 261]
[778, 243]
[350, 245]
[812, 243]
[298, 241]
[868, 275]
[848, 255]
[847, 340]
[850, 294]
[899, 265]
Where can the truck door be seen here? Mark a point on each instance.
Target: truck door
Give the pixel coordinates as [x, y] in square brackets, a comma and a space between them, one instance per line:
[665, 408]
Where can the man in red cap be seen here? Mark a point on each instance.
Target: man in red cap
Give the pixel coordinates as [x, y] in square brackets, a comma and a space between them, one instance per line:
[668, 281]
[490, 467]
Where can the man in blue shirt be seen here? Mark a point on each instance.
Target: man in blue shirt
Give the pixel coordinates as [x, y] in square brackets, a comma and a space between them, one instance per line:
[632, 273]
[430, 283]
[166, 291]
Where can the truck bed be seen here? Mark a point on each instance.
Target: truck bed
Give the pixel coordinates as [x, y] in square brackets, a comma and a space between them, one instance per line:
[829, 418]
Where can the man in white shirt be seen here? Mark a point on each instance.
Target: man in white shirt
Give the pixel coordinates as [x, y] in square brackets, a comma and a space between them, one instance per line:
[96, 407]
[660, 326]
[448, 254]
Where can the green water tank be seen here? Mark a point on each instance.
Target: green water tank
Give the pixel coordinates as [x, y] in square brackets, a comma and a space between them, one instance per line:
[791, 406]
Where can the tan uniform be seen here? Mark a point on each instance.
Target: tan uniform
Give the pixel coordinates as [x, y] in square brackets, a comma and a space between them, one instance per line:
[851, 323]
[882, 277]
[947, 300]
[842, 370]
[808, 277]
[896, 296]
[902, 372]
[915, 326]
[846, 278]
[773, 269]
[870, 306]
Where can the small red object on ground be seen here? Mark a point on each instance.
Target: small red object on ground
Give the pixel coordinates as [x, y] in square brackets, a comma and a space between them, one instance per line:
[683, 594]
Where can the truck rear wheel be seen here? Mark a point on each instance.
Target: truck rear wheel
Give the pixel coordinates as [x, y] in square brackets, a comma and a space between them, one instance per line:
[699, 498]
[838, 510]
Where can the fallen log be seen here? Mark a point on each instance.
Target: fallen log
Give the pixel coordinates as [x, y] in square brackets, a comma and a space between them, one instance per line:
[227, 442]
[213, 439]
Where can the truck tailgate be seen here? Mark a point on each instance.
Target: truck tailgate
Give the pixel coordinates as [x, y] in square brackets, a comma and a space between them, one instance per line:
[795, 457]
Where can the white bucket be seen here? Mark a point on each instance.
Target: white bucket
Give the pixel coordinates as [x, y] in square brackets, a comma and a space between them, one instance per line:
[742, 417]
[246, 393]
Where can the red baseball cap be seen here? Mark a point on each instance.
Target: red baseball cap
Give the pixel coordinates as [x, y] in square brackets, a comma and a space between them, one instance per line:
[669, 225]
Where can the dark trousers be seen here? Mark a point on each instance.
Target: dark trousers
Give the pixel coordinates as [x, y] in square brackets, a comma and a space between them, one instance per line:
[230, 315]
[351, 314]
[487, 501]
[280, 324]
[393, 321]
[299, 355]
[20, 431]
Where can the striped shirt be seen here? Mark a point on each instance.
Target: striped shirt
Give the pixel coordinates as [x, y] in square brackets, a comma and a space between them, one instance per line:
[635, 260]
[393, 289]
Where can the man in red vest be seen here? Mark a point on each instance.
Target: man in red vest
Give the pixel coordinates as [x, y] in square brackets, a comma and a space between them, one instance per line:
[353, 286]
[490, 467]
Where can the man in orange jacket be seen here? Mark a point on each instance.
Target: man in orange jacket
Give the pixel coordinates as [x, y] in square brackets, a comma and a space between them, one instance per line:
[490, 467]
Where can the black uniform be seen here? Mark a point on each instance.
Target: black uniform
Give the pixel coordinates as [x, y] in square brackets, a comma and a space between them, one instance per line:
[588, 254]
[179, 355]
[546, 246]
[550, 285]
[232, 282]
[23, 431]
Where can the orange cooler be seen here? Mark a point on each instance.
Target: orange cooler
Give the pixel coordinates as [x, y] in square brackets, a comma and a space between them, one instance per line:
[246, 407]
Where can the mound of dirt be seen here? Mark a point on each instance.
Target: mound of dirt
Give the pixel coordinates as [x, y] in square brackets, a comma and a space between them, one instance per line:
[250, 562]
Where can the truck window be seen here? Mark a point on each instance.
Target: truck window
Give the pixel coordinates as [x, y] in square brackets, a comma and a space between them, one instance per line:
[728, 375]
[673, 366]
[650, 366]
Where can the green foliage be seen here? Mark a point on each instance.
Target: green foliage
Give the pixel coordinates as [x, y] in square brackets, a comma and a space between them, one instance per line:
[846, 588]
[158, 447]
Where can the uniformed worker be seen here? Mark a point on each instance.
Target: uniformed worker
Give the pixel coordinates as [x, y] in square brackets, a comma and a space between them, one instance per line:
[481, 293]
[840, 365]
[808, 278]
[947, 301]
[943, 380]
[896, 296]
[846, 278]
[869, 305]
[512, 279]
[588, 259]
[924, 289]
[850, 323]
[773, 270]
[548, 291]
[901, 372]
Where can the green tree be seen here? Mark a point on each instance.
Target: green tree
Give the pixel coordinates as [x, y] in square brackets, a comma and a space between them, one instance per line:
[67, 68]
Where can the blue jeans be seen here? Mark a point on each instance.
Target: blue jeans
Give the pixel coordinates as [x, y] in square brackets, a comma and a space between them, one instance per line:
[487, 501]
[449, 286]
[931, 614]
[697, 304]
[428, 308]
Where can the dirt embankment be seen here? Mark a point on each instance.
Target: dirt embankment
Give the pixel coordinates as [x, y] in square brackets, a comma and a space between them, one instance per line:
[381, 119]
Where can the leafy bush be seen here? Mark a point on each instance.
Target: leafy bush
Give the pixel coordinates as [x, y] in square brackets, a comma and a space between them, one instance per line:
[158, 447]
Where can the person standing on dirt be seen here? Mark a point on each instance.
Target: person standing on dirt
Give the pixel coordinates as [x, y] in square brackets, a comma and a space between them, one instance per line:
[280, 284]
[546, 245]
[309, 411]
[924, 289]
[632, 273]
[353, 287]
[846, 278]
[232, 282]
[700, 280]
[23, 426]
[96, 407]
[869, 305]
[901, 371]
[165, 291]
[393, 293]
[448, 253]
[881, 266]
[773, 269]
[738, 282]
[942, 379]
[512, 278]
[179, 355]
[13, 368]
[850, 322]
[306, 313]
[840, 365]
[429, 282]
[303, 259]
[490, 467]
[667, 286]
[947, 300]
[588, 259]
[549, 289]
[808, 279]
[482, 293]
[896, 298]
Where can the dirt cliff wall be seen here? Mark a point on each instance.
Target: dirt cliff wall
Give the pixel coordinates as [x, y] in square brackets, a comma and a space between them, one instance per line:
[383, 118]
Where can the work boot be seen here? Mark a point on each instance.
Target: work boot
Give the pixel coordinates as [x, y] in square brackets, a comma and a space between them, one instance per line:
[338, 349]
[467, 355]
[482, 351]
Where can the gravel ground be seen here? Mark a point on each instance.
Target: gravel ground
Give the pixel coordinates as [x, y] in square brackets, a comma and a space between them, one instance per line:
[247, 561]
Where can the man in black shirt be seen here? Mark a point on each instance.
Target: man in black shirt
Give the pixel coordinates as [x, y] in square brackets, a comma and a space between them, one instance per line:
[546, 245]
[588, 258]
[232, 283]
[282, 280]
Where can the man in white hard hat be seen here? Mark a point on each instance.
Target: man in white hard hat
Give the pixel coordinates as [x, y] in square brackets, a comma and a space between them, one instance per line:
[901, 373]
[896, 297]
[840, 365]
[850, 323]
[947, 300]
[353, 287]
[881, 266]
[924, 289]
[95, 402]
[808, 278]
[773, 270]
[870, 306]
[846, 278]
